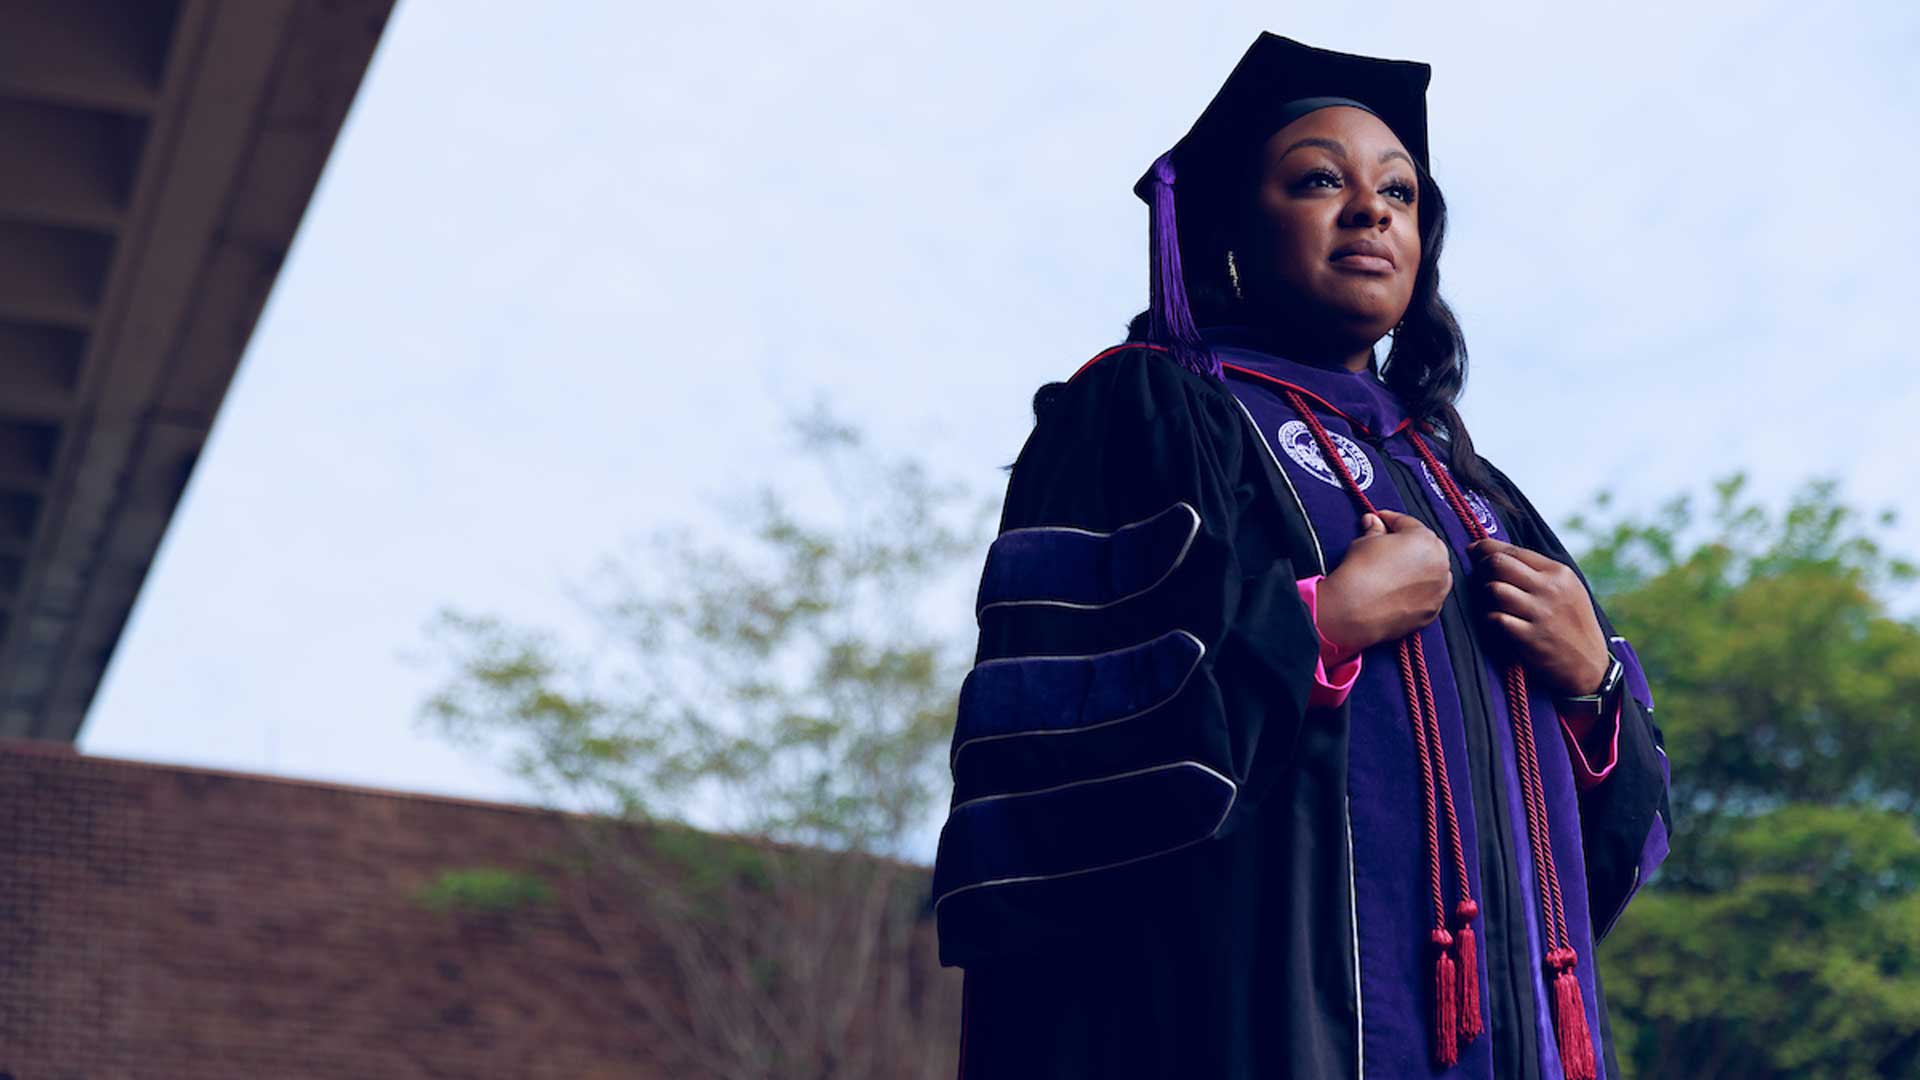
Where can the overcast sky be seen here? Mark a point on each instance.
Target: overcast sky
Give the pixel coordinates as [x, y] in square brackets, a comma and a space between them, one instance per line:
[571, 264]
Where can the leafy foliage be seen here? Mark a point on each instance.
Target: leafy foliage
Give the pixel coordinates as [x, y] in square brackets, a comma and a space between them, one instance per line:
[484, 889]
[761, 733]
[784, 682]
[1782, 936]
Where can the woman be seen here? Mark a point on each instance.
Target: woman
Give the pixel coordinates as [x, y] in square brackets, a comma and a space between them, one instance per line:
[1254, 776]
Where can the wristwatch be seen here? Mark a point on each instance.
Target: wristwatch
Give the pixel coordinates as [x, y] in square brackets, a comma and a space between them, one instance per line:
[1598, 702]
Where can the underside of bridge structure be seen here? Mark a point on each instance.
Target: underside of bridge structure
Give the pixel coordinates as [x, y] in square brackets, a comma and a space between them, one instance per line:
[156, 157]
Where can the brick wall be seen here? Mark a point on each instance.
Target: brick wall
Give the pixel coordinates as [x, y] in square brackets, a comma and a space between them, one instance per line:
[158, 921]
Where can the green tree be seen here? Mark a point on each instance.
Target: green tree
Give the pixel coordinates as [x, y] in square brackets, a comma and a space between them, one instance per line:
[759, 735]
[1782, 936]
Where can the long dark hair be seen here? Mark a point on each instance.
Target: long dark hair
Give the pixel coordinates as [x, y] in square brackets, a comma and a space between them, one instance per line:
[1426, 367]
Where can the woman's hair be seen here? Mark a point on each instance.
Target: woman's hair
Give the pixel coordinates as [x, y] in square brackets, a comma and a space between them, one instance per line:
[1427, 363]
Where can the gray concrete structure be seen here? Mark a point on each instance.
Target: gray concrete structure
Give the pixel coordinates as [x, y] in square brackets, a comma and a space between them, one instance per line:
[156, 157]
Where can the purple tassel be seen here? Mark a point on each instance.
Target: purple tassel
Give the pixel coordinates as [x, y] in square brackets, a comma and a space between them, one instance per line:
[1170, 319]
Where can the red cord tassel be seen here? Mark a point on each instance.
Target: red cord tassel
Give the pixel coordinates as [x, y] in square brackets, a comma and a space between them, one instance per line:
[1470, 1024]
[1570, 1019]
[1446, 1023]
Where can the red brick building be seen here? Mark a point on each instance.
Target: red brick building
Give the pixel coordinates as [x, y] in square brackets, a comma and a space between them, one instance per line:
[160, 921]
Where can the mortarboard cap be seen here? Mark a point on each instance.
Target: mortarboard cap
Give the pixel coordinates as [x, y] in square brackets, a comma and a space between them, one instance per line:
[1276, 82]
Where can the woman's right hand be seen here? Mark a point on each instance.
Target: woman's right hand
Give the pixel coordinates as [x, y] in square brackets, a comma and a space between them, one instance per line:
[1393, 580]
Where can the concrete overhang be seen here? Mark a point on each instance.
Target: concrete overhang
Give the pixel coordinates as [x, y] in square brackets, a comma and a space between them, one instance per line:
[156, 157]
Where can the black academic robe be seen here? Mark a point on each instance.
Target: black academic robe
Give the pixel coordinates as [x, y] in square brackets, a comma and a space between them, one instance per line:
[1147, 870]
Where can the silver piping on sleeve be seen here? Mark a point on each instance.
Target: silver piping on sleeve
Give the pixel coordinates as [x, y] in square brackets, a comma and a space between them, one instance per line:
[1193, 530]
[1233, 795]
[1135, 715]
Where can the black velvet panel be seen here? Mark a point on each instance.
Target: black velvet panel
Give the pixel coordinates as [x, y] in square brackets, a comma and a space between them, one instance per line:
[1071, 567]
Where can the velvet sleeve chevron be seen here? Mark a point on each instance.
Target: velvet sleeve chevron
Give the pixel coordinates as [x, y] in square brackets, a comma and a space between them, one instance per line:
[1144, 661]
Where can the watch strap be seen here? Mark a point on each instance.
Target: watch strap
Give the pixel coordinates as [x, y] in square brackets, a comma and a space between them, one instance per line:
[1597, 702]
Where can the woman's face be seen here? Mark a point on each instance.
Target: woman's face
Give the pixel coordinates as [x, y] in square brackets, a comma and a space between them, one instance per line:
[1335, 236]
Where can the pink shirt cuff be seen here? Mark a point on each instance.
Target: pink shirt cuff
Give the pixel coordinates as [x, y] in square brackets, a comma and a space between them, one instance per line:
[1335, 671]
[1589, 738]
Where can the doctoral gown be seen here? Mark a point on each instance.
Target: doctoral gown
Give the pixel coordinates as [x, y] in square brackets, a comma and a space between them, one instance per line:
[1166, 855]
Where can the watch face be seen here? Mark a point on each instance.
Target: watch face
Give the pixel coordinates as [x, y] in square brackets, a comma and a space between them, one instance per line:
[1615, 670]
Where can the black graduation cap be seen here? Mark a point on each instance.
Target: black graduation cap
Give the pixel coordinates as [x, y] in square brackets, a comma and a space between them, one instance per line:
[1275, 83]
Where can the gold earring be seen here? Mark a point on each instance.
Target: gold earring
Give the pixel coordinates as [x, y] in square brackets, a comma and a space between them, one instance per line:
[1233, 275]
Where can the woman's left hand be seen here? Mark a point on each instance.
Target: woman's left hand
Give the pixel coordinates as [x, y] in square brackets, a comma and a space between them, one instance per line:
[1543, 609]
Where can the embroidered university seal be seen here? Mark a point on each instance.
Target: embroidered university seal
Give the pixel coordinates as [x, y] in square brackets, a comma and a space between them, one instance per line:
[1480, 508]
[1296, 438]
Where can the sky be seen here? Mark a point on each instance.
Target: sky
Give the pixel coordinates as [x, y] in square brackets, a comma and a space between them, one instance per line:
[572, 265]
